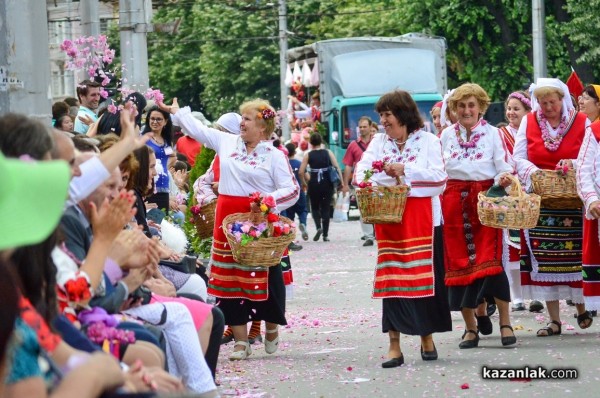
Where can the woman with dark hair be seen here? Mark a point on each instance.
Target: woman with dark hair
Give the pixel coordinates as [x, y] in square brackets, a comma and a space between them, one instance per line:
[589, 102]
[410, 266]
[320, 187]
[64, 122]
[159, 123]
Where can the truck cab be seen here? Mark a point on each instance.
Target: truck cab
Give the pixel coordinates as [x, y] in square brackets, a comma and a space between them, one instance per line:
[355, 72]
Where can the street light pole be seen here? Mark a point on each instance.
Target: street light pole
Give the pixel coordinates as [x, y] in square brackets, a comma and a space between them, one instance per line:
[539, 39]
[283, 46]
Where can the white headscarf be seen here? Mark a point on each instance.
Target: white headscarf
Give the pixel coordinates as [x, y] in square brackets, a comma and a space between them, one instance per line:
[567, 102]
[443, 121]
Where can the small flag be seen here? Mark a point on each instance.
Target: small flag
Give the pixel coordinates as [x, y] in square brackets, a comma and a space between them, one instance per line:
[574, 84]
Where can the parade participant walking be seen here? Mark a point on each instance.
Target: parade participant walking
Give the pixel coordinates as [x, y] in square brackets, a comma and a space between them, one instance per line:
[551, 137]
[248, 163]
[589, 102]
[409, 274]
[475, 158]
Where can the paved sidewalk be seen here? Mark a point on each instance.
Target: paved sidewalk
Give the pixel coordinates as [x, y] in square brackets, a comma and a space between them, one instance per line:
[333, 345]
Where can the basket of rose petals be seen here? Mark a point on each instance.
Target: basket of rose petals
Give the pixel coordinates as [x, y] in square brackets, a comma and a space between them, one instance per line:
[517, 210]
[381, 204]
[259, 238]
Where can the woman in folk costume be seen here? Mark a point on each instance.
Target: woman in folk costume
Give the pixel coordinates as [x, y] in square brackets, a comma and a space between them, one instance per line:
[409, 274]
[248, 163]
[517, 105]
[589, 102]
[588, 187]
[551, 137]
[475, 158]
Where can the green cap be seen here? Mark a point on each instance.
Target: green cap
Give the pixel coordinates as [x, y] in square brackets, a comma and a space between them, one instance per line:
[32, 200]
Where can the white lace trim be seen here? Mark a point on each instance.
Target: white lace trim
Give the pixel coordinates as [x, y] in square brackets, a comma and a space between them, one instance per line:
[552, 293]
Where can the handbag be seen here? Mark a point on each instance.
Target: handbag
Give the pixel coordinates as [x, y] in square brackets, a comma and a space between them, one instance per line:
[334, 176]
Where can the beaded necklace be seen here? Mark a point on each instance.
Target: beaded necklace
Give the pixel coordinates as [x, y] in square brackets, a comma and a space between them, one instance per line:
[550, 143]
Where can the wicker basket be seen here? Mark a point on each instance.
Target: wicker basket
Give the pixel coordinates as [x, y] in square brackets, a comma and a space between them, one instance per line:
[382, 205]
[205, 220]
[262, 252]
[515, 211]
[557, 191]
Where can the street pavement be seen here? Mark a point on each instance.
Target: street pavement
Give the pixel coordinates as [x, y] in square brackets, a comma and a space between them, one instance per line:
[333, 345]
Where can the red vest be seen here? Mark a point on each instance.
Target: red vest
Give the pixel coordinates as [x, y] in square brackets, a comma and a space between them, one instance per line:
[596, 129]
[509, 140]
[217, 169]
[539, 155]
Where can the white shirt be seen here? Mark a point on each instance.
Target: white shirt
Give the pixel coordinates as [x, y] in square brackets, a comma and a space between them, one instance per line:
[265, 170]
[588, 172]
[488, 160]
[423, 166]
[524, 167]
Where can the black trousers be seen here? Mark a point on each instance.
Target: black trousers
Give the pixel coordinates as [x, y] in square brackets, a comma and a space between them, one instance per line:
[320, 195]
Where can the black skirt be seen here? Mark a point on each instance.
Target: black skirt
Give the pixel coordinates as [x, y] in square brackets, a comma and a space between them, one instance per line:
[421, 316]
[241, 311]
[472, 295]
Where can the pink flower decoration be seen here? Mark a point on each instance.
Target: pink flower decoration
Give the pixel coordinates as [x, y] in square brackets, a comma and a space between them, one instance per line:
[103, 93]
[112, 109]
[269, 201]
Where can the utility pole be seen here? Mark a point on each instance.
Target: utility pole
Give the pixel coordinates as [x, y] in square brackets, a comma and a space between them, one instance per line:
[538, 16]
[134, 23]
[24, 59]
[90, 19]
[283, 46]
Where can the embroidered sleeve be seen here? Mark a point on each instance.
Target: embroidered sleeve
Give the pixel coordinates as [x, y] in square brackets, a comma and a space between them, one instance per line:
[503, 160]
[429, 180]
[587, 186]
[524, 167]
[287, 189]
[372, 153]
[209, 137]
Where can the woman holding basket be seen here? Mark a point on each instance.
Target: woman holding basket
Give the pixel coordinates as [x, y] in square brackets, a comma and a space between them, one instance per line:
[550, 138]
[248, 163]
[476, 158]
[409, 273]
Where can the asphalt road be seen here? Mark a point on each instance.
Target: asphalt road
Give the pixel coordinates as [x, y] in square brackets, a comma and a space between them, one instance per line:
[333, 345]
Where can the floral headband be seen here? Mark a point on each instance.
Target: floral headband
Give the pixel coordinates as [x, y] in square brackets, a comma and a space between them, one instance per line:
[517, 95]
[266, 114]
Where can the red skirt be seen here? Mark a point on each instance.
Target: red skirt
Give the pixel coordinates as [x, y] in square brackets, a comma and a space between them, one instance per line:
[591, 264]
[471, 251]
[405, 253]
[229, 279]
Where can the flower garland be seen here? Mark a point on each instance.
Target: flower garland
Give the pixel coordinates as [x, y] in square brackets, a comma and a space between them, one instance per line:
[472, 143]
[550, 143]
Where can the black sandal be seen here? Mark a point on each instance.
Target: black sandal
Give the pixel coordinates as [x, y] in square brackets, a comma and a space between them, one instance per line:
[549, 331]
[585, 316]
[508, 340]
[470, 343]
[484, 324]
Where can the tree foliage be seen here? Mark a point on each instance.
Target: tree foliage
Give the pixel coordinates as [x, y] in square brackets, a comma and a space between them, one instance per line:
[227, 50]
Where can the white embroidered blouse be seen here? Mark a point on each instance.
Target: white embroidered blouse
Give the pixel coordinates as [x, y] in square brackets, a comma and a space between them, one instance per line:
[423, 165]
[265, 170]
[487, 159]
[588, 172]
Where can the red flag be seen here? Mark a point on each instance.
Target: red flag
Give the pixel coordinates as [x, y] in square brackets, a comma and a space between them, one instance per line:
[575, 85]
